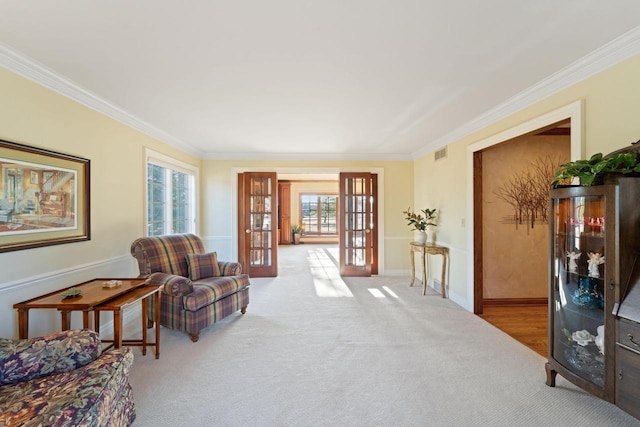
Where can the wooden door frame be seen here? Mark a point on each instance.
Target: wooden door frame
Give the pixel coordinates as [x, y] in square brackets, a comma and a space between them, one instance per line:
[307, 171]
[371, 239]
[574, 112]
[245, 197]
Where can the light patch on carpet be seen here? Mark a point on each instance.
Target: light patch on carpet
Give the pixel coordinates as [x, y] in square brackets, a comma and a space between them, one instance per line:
[326, 275]
[390, 292]
[376, 293]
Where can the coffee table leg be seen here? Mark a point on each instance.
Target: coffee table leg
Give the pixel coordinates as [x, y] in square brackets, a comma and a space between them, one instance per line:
[23, 323]
[66, 319]
[144, 326]
[96, 321]
[157, 312]
[85, 319]
[117, 329]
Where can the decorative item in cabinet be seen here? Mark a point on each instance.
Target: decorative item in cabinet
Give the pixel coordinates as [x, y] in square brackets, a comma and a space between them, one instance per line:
[592, 246]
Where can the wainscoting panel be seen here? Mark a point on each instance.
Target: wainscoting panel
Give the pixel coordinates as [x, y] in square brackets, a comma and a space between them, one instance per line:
[47, 321]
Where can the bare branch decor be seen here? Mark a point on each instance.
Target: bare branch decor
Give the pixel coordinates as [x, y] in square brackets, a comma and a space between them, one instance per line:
[528, 192]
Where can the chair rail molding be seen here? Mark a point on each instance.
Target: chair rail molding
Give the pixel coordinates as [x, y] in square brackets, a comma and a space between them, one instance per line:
[120, 263]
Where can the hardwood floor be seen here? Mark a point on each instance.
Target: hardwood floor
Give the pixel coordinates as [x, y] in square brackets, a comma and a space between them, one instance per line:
[526, 323]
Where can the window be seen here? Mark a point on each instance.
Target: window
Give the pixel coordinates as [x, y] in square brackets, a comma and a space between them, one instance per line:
[318, 213]
[171, 200]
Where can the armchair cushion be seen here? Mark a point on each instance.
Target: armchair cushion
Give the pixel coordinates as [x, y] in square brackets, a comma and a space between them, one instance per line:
[203, 265]
[214, 289]
[22, 360]
[171, 283]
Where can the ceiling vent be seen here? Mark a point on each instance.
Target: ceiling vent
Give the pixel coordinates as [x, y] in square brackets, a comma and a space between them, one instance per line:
[441, 153]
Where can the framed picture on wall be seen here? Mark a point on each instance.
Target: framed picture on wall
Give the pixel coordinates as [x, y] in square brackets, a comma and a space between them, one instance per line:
[44, 197]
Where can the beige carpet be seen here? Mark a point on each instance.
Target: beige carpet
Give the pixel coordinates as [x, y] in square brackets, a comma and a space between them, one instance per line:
[314, 350]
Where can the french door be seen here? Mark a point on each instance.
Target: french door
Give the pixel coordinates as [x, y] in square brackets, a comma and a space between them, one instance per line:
[358, 224]
[257, 223]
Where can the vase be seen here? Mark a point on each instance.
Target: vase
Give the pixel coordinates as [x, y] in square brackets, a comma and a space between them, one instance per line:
[421, 237]
[431, 236]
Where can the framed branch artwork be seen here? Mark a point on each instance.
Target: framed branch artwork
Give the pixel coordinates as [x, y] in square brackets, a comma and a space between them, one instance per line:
[44, 197]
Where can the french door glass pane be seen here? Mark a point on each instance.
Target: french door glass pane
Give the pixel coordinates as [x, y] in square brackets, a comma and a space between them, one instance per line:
[355, 221]
[261, 220]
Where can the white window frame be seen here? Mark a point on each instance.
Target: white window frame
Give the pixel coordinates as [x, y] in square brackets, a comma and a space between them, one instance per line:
[170, 163]
[318, 212]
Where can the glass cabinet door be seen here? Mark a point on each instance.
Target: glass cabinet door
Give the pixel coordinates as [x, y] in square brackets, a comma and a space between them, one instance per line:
[578, 272]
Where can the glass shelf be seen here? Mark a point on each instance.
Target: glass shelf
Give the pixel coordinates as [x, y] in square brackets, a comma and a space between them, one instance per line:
[586, 361]
[593, 307]
[578, 263]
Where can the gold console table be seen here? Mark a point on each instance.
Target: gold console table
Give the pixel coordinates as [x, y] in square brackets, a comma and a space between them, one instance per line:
[425, 249]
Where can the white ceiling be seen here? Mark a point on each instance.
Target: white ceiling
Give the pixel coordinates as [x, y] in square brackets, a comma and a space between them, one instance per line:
[296, 78]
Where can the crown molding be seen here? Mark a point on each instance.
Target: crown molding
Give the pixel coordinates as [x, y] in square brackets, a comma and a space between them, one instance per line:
[309, 156]
[38, 73]
[612, 53]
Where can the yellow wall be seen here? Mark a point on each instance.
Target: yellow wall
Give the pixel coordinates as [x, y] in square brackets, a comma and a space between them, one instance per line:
[33, 115]
[611, 105]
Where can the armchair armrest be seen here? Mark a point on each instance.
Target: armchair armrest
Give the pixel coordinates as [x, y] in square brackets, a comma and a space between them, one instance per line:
[22, 360]
[230, 268]
[171, 284]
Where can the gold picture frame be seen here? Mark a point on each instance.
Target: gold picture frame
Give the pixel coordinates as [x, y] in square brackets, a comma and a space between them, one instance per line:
[44, 197]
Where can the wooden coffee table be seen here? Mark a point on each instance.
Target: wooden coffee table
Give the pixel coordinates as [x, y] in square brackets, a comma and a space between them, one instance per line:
[118, 304]
[93, 294]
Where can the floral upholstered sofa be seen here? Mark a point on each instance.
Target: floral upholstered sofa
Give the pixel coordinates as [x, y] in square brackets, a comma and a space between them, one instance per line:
[63, 379]
[197, 289]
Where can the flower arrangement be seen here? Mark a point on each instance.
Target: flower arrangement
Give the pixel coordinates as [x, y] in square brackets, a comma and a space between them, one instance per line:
[420, 222]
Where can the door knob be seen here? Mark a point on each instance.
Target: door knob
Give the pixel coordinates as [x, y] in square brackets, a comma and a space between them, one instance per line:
[247, 231]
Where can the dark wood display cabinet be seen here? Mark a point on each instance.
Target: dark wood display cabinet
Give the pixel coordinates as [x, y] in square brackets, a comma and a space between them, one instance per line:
[627, 313]
[594, 246]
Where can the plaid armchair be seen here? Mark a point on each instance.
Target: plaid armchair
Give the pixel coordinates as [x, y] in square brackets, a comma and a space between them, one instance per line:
[63, 379]
[197, 289]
